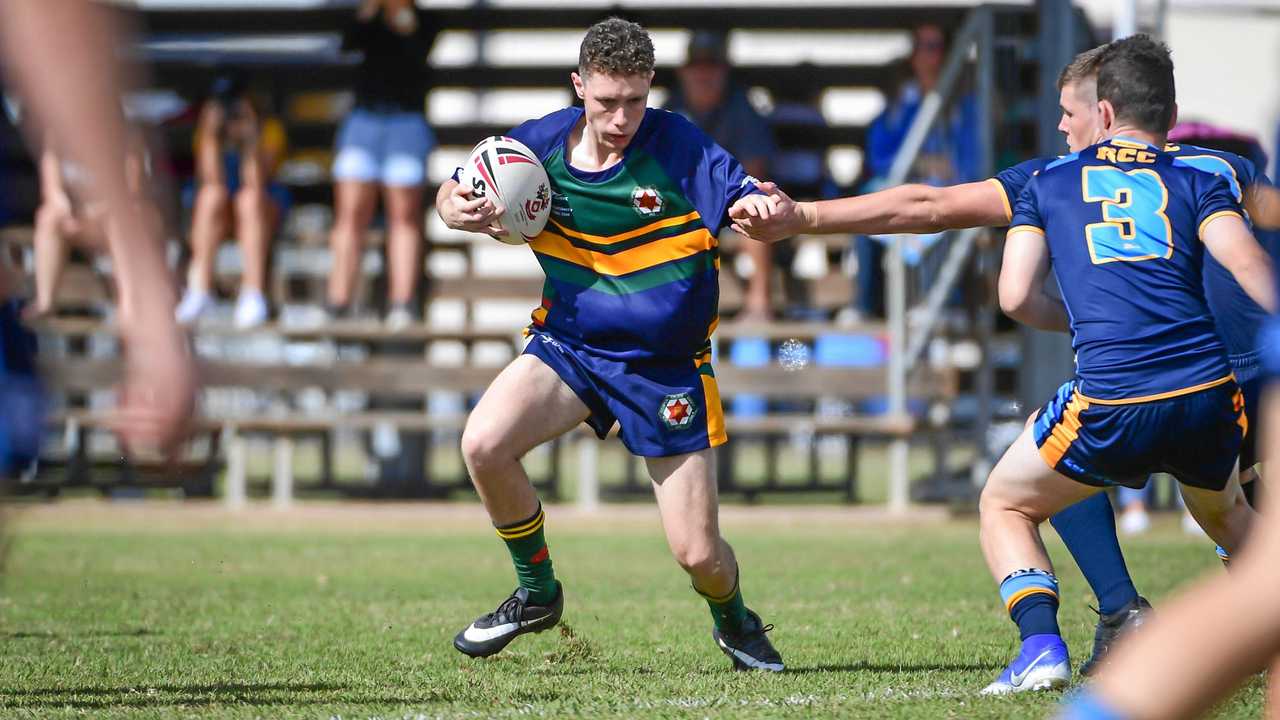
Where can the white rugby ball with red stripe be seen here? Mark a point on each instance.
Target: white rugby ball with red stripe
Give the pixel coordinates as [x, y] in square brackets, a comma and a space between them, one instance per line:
[507, 172]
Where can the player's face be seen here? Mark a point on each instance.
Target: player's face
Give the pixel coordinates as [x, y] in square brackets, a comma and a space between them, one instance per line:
[614, 105]
[1081, 122]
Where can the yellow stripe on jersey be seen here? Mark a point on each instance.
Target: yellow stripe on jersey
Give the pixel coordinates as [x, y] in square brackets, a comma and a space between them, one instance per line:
[1121, 142]
[627, 261]
[1028, 228]
[621, 237]
[1215, 216]
[1004, 198]
[1164, 395]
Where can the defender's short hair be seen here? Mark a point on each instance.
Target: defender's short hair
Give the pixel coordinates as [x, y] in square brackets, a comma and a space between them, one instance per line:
[616, 47]
[1083, 67]
[1135, 75]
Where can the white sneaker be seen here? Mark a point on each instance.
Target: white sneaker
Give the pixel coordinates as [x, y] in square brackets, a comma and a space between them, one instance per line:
[251, 309]
[398, 318]
[194, 303]
[1134, 523]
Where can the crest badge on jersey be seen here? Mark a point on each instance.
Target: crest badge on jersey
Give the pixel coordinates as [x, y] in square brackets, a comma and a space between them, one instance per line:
[678, 411]
[647, 201]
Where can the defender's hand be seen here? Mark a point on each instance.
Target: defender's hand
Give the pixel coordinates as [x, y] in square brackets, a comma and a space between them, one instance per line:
[775, 219]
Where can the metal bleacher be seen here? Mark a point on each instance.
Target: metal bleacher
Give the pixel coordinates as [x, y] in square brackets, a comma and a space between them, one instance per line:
[494, 65]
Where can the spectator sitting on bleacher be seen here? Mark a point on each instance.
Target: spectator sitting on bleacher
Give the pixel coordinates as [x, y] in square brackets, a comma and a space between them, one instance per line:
[65, 217]
[237, 151]
[707, 96]
[948, 155]
[801, 165]
[384, 141]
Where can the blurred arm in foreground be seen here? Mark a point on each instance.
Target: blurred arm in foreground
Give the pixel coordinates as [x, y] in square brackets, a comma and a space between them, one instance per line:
[60, 57]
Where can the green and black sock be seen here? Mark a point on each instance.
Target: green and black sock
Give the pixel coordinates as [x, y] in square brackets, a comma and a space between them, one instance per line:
[529, 554]
[728, 612]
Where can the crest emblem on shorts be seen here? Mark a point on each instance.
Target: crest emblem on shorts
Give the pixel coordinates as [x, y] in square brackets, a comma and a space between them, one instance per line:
[677, 411]
[646, 201]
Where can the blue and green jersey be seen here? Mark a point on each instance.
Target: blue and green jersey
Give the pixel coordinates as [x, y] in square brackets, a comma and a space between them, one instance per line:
[630, 252]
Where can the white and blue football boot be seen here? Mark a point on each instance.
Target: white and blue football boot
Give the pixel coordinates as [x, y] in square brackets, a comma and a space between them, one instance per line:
[1043, 664]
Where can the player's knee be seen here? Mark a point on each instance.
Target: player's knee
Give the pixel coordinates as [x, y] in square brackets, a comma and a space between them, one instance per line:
[991, 500]
[483, 447]
[699, 559]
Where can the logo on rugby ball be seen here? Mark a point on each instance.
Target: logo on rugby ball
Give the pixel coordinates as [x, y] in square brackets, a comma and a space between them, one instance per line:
[677, 411]
[539, 202]
[646, 201]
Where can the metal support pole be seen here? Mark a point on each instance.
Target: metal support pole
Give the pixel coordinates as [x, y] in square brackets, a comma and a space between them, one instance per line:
[236, 492]
[1047, 358]
[1125, 22]
[282, 473]
[895, 272]
[985, 320]
[896, 288]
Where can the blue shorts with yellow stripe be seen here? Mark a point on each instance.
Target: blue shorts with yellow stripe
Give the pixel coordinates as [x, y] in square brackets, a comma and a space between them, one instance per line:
[1195, 436]
[662, 407]
[1252, 380]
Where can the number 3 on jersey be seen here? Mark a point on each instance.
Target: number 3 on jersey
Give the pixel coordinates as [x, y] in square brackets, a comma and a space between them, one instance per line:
[1134, 227]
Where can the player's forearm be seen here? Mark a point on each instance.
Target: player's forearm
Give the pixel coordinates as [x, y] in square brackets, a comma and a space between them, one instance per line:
[1257, 279]
[901, 209]
[916, 209]
[1042, 312]
[1032, 306]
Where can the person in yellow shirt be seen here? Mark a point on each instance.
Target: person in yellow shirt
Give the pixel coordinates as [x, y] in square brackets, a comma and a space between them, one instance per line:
[237, 151]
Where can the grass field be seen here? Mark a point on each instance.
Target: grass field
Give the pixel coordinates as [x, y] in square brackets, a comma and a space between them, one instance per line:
[177, 611]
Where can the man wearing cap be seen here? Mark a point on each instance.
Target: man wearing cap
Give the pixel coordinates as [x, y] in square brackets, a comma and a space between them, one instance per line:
[707, 96]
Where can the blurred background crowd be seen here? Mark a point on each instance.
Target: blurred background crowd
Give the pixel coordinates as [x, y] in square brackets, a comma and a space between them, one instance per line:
[288, 153]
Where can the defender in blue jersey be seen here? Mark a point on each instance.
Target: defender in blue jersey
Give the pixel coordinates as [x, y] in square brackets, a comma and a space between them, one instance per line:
[621, 336]
[1088, 528]
[1124, 227]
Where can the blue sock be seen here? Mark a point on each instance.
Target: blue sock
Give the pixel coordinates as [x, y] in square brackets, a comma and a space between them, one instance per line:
[1085, 706]
[1089, 530]
[1031, 597]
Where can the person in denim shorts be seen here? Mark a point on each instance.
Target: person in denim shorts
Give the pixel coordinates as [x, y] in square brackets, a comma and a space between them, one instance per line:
[383, 142]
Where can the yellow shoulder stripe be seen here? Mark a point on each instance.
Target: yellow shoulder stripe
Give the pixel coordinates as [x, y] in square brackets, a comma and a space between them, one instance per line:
[1028, 228]
[1004, 197]
[1221, 213]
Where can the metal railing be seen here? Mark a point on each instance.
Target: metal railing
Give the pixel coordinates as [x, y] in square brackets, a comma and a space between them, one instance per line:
[975, 39]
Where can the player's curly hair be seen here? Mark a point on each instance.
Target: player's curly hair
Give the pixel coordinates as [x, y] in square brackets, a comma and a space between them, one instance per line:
[1135, 75]
[616, 47]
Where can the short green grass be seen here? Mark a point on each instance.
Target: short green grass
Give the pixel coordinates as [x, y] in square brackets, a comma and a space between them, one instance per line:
[135, 618]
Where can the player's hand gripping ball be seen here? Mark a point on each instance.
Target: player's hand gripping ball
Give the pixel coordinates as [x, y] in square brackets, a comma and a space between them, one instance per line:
[511, 176]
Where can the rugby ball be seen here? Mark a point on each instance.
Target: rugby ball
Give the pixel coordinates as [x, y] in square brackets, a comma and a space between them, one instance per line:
[509, 174]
